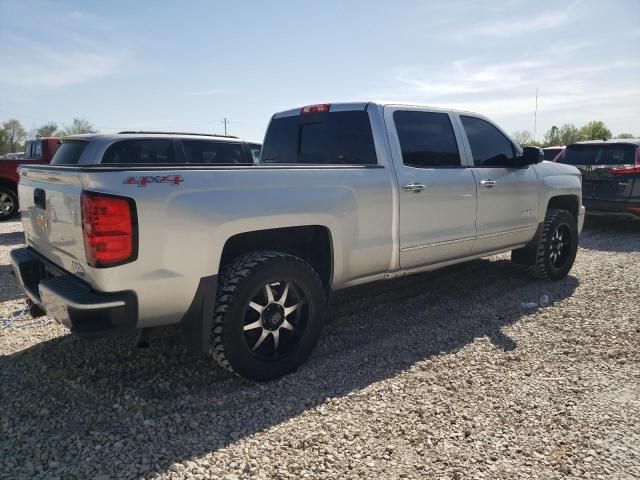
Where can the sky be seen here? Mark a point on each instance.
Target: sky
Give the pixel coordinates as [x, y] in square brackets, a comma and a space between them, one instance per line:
[185, 66]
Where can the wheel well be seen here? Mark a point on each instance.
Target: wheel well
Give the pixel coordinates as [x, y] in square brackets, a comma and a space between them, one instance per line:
[312, 243]
[9, 184]
[565, 202]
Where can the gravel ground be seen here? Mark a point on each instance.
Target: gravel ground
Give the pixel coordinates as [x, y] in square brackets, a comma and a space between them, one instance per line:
[441, 375]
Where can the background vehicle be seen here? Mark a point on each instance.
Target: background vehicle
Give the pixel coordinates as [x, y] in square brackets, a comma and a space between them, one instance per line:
[610, 175]
[551, 153]
[137, 230]
[40, 150]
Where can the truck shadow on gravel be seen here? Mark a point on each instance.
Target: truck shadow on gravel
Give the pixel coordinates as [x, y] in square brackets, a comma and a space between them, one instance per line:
[91, 402]
[11, 238]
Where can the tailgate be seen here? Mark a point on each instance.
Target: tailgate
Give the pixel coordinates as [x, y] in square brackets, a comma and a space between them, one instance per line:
[50, 205]
[596, 162]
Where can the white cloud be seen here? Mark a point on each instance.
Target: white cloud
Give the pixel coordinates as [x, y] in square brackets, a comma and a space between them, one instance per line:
[50, 68]
[210, 92]
[507, 27]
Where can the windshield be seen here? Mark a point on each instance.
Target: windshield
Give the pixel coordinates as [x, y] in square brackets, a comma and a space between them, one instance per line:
[603, 154]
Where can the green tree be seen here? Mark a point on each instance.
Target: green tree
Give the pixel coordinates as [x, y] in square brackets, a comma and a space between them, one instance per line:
[47, 130]
[523, 137]
[13, 134]
[79, 125]
[595, 130]
[552, 137]
[568, 133]
[625, 135]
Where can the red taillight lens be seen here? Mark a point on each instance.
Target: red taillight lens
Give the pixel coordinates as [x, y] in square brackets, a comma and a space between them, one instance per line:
[320, 108]
[625, 171]
[109, 229]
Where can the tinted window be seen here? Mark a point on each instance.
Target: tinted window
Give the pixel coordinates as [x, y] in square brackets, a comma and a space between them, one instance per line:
[27, 149]
[337, 138]
[203, 151]
[37, 150]
[489, 147]
[550, 153]
[140, 151]
[603, 154]
[69, 152]
[254, 151]
[426, 139]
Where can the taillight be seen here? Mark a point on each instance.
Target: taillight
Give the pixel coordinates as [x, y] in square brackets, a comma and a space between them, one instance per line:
[625, 171]
[109, 227]
[320, 108]
[628, 169]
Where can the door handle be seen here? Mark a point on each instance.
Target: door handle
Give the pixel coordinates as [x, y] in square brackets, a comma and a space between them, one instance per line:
[413, 187]
[488, 183]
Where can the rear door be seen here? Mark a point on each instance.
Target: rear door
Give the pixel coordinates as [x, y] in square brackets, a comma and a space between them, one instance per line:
[599, 164]
[437, 188]
[507, 194]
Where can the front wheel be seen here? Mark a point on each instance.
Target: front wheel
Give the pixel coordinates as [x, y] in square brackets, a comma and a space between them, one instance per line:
[269, 315]
[556, 248]
[8, 203]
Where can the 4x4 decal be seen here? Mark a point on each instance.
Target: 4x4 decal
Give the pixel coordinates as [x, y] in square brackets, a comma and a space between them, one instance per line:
[145, 180]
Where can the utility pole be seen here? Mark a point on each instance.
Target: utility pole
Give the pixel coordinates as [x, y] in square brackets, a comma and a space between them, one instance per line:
[535, 118]
[225, 121]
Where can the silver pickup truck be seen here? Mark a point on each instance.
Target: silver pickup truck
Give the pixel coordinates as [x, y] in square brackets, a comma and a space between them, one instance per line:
[139, 230]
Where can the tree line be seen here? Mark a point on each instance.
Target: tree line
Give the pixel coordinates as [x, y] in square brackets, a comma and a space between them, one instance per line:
[568, 133]
[13, 135]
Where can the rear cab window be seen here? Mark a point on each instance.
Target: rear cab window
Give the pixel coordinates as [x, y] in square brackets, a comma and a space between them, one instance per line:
[600, 154]
[69, 152]
[327, 138]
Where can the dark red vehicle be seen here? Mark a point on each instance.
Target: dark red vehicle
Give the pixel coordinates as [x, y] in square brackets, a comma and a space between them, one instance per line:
[40, 150]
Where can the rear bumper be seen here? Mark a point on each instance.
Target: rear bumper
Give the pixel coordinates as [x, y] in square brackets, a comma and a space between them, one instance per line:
[621, 208]
[71, 301]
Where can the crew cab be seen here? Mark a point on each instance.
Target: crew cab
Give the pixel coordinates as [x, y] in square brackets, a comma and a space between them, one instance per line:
[127, 231]
[610, 175]
[38, 151]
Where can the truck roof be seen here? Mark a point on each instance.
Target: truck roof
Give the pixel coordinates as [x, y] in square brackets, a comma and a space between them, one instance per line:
[345, 106]
[631, 141]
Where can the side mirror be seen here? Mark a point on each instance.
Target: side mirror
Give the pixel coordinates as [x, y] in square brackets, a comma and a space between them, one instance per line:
[531, 156]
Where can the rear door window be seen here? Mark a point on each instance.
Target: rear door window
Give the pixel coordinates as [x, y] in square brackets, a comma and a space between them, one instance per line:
[208, 152]
[426, 139]
[604, 154]
[489, 147]
[140, 151]
[69, 152]
[335, 138]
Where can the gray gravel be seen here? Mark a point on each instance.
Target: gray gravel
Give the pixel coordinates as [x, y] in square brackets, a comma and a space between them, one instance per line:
[442, 375]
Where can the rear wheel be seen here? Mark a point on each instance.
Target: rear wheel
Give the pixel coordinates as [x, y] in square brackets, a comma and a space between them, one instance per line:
[556, 248]
[8, 203]
[269, 315]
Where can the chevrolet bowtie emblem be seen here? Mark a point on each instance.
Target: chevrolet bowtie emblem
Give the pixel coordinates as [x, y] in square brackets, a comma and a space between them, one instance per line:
[42, 222]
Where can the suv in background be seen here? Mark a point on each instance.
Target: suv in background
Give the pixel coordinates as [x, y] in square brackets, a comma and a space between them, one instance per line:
[159, 148]
[37, 151]
[610, 175]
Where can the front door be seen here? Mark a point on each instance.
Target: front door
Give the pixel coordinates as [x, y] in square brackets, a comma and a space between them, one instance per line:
[437, 190]
[507, 194]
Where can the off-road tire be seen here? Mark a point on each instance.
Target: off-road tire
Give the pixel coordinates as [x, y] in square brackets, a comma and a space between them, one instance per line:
[7, 215]
[237, 283]
[541, 266]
